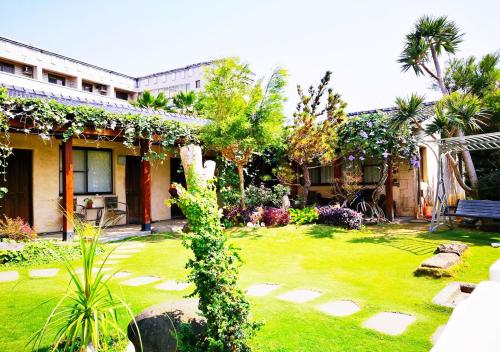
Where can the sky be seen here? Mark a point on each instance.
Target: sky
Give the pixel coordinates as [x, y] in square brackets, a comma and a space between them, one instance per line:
[359, 41]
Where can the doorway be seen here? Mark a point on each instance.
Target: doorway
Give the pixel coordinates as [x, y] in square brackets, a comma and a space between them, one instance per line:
[133, 188]
[176, 176]
[18, 202]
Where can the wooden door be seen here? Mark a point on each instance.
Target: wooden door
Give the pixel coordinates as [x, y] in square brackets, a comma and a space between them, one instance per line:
[132, 188]
[19, 199]
[176, 176]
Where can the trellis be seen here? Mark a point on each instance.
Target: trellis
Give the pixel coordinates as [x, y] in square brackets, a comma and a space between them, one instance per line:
[483, 141]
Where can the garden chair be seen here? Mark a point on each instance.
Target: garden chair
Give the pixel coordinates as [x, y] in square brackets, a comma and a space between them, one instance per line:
[115, 210]
[79, 212]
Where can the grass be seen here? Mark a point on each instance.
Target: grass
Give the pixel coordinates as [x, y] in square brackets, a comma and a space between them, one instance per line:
[374, 267]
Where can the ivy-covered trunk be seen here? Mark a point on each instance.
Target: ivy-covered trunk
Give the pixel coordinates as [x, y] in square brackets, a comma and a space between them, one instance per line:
[307, 184]
[214, 268]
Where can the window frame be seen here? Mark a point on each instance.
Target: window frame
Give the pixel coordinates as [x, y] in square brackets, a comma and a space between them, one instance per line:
[56, 77]
[89, 85]
[369, 164]
[87, 149]
[197, 83]
[121, 92]
[9, 65]
[321, 181]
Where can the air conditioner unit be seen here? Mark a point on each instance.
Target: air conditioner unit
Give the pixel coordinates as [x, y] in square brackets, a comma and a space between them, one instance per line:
[28, 70]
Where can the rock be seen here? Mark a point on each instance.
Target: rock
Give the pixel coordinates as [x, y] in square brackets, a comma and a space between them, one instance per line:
[158, 324]
[11, 246]
[441, 261]
[452, 247]
[249, 224]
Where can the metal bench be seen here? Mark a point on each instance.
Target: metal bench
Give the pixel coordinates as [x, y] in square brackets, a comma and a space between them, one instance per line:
[476, 209]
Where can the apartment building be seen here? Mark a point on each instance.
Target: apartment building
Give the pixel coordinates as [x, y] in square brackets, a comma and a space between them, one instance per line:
[23, 65]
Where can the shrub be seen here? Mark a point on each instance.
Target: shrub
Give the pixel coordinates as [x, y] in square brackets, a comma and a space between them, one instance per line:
[265, 196]
[307, 215]
[16, 229]
[276, 216]
[232, 216]
[344, 217]
[254, 215]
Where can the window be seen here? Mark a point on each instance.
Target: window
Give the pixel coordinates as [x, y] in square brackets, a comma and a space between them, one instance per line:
[59, 80]
[371, 173]
[197, 83]
[321, 175]
[92, 171]
[88, 87]
[121, 95]
[5, 67]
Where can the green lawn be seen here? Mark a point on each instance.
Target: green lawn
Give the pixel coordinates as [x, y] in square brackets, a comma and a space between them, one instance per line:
[374, 267]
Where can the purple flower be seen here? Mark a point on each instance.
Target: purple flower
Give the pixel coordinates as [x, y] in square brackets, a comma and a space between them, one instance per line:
[369, 124]
[385, 154]
[361, 158]
[351, 157]
[415, 163]
[363, 134]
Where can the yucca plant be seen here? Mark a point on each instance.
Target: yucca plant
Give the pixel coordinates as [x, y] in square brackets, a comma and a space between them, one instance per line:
[85, 318]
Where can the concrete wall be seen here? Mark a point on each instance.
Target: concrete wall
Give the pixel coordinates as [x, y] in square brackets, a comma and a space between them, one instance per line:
[46, 209]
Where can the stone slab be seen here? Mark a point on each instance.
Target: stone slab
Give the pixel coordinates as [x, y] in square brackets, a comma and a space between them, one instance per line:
[119, 256]
[339, 308]
[495, 271]
[11, 246]
[141, 280]
[94, 270]
[259, 290]
[43, 272]
[300, 296]
[453, 294]
[108, 262]
[453, 247]
[441, 261]
[390, 323]
[172, 285]
[126, 250]
[6, 276]
[437, 334]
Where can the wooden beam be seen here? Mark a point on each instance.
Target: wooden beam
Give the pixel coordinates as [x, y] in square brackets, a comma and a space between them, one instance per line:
[389, 195]
[145, 190]
[68, 186]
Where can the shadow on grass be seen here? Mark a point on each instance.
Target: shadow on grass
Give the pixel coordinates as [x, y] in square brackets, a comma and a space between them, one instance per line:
[245, 232]
[324, 231]
[411, 244]
[157, 237]
[471, 237]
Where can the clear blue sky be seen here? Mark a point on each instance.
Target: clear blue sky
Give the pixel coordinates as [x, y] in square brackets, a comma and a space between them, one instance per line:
[358, 40]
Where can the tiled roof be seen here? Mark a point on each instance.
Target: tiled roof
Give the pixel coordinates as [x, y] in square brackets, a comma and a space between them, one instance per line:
[391, 110]
[115, 107]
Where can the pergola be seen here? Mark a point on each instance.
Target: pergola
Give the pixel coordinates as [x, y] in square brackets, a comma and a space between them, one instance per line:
[483, 141]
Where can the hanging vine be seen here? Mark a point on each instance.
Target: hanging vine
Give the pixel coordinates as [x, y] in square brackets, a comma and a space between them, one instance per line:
[46, 118]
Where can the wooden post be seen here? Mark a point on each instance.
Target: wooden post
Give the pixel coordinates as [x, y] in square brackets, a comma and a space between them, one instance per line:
[389, 196]
[145, 190]
[68, 186]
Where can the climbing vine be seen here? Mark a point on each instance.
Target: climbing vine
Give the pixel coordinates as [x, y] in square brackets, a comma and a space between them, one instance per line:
[214, 270]
[47, 118]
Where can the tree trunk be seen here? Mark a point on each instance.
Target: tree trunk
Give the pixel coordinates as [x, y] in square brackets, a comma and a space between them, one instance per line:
[470, 168]
[307, 184]
[439, 73]
[242, 185]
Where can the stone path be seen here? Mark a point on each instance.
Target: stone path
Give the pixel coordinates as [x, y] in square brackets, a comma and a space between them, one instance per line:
[300, 296]
[43, 272]
[141, 280]
[173, 285]
[6, 276]
[389, 323]
[259, 290]
[340, 308]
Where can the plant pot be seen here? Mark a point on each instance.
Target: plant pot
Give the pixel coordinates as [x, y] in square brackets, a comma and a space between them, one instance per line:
[428, 211]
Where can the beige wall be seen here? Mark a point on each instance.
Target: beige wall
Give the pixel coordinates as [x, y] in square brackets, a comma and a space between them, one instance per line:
[46, 211]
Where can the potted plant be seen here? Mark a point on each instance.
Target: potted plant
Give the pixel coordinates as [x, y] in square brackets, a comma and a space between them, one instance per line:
[428, 203]
[89, 203]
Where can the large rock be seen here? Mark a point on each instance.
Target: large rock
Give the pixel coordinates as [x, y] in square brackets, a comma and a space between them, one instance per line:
[441, 261]
[158, 325]
[452, 247]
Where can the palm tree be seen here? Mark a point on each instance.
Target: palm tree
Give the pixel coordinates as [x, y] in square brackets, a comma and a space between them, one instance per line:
[430, 38]
[454, 112]
[150, 101]
[184, 103]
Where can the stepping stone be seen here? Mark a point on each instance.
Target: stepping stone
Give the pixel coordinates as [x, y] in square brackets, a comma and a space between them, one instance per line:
[118, 275]
[340, 308]
[6, 276]
[141, 280]
[119, 256]
[131, 245]
[108, 262]
[389, 323]
[44, 272]
[173, 285]
[441, 261]
[300, 296]
[259, 290]
[437, 334]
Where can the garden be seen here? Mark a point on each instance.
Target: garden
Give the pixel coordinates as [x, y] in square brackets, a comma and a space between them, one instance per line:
[261, 264]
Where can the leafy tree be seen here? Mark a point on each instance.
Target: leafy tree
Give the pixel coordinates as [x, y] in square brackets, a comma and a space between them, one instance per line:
[185, 103]
[430, 38]
[246, 116]
[312, 136]
[148, 100]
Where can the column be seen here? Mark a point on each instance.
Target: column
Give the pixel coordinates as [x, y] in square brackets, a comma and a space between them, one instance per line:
[68, 183]
[389, 195]
[145, 191]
